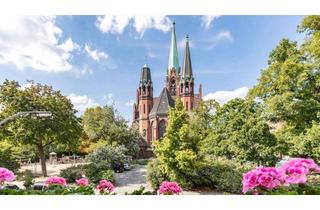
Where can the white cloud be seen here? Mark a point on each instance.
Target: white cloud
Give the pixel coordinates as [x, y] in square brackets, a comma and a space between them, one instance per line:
[224, 96]
[129, 103]
[115, 24]
[35, 41]
[95, 54]
[207, 20]
[81, 102]
[218, 38]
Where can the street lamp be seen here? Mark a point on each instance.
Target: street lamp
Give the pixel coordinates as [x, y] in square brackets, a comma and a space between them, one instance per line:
[25, 114]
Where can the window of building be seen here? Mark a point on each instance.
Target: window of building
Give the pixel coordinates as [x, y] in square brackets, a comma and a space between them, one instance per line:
[187, 108]
[144, 108]
[162, 128]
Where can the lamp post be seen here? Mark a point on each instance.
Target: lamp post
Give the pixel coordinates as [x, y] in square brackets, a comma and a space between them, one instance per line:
[25, 114]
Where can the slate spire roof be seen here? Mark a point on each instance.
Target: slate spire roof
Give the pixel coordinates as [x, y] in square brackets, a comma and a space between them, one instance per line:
[162, 104]
[173, 54]
[187, 67]
[145, 77]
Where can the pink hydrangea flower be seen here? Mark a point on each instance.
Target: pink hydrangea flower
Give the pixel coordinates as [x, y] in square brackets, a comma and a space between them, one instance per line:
[105, 185]
[6, 175]
[297, 169]
[264, 177]
[170, 188]
[82, 182]
[56, 180]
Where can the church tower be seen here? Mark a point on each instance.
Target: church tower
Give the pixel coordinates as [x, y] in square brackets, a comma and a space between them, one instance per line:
[187, 80]
[173, 70]
[145, 102]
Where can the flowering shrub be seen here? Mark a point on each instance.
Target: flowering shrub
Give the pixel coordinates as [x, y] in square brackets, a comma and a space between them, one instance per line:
[56, 180]
[6, 175]
[169, 188]
[105, 187]
[287, 179]
[82, 182]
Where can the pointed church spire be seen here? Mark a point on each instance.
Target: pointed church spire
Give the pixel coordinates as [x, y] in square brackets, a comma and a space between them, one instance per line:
[187, 67]
[173, 54]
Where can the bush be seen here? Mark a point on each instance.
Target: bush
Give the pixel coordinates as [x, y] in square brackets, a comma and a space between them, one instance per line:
[96, 172]
[156, 174]
[73, 173]
[109, 155]
[141, 161]
[221, 174]
[8, 161]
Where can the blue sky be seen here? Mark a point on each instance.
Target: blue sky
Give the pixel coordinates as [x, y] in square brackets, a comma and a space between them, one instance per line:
[96, 60]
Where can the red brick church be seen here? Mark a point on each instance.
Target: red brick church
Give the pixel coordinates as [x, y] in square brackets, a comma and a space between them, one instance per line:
[151, 113]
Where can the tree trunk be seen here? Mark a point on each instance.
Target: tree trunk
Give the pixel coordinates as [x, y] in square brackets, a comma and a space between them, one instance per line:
[42, 160]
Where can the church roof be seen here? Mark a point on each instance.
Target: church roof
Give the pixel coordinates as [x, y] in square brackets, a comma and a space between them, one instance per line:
[145, 77]
[162, 104]
[173, 54]
[187, 67]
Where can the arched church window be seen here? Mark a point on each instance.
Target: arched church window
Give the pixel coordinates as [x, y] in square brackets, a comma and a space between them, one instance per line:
[162, 128]
[173, 86]
[187, 87]
[144, 133]
[144, 89]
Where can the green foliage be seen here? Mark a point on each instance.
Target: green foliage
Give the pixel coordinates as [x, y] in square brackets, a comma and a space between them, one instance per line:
[63, 128]
[177, 152]
[7, 160]
[73, 173]
[156, 174]
[238, 131]
[94, 172]
[141, 161]
[141, 191]
[307, 144]
[108, 155]
[51, 190]
[222, 174]
[106, 125]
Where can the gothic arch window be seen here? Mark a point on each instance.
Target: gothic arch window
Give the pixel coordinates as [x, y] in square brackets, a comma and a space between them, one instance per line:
[144, 133]
[144, 108]
[162, 128]
[144, 90]
[187, 87]
[173, 86]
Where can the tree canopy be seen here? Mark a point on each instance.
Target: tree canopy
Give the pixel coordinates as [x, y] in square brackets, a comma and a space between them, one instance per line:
[62, 127]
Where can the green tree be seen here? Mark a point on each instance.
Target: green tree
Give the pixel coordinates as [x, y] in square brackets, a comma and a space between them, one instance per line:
[288, 88]
[104, 124]
[238, 131]
[178, 151]
[62, 128]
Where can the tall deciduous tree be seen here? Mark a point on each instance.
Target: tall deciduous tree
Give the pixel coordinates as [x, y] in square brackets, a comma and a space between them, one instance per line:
[104, 124]
[178, 152]
[239, 132]
[62, 128]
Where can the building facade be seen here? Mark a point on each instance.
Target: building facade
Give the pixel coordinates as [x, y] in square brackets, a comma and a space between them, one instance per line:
[150, 113]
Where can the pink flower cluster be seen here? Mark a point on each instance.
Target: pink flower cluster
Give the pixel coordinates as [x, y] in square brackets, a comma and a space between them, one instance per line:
[6, 175]
[82, 182]
[294, 171]
[169, 188]
[105, 185]
[56, 180]
[297, 169]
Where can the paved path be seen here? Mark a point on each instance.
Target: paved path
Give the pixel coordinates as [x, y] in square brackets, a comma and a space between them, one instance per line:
[129, 181]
